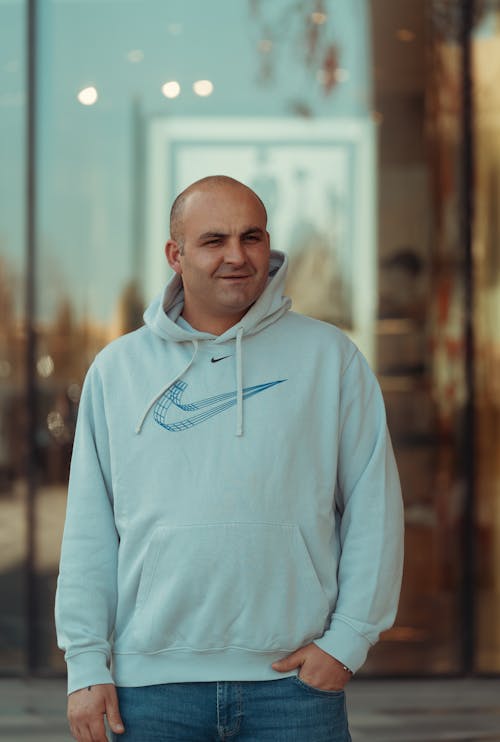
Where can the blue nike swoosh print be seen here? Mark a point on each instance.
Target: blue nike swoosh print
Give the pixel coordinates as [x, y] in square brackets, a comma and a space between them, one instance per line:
[205, 408]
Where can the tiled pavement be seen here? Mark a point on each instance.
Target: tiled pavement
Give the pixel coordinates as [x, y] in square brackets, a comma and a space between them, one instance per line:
[425, 710]
[379, 710]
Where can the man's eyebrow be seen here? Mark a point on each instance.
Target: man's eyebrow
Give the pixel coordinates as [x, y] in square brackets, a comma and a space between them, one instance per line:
[215, 234]
[251, 230]
[208, 235]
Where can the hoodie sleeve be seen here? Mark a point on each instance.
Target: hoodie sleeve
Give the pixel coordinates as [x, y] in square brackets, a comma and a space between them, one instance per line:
[87, 584]
[369, 500]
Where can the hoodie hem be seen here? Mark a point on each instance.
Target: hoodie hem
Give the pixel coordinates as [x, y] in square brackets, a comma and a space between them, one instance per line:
[174, 666]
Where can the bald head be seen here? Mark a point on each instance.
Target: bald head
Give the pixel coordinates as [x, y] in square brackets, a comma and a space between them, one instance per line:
[210, 184]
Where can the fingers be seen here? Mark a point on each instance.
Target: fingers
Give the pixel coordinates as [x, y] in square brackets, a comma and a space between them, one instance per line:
[317, 668]
[94, 732]
[323, 671]
[296, 659]
[89, 732]
[113, 712]
[97, 732]
[86, 709]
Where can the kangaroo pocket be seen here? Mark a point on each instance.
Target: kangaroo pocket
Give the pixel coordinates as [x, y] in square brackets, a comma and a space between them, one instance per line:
[248, 585]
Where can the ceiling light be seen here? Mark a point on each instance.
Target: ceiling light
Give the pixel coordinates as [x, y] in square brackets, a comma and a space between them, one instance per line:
[203, 87]
[171, 89]
[88, 96]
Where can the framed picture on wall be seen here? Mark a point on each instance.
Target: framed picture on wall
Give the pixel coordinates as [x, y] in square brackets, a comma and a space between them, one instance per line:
[317, 180]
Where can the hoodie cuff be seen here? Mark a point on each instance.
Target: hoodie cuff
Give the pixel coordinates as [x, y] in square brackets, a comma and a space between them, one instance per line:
[87, 668]
[345, 644]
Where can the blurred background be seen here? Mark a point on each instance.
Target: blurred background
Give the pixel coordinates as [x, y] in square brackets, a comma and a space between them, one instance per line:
[371, 129]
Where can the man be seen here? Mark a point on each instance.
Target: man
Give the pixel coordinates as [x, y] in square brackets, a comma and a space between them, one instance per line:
[233, 541]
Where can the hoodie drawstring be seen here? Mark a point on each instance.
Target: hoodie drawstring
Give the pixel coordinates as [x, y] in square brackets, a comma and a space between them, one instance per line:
[166, 386]
[239, 383]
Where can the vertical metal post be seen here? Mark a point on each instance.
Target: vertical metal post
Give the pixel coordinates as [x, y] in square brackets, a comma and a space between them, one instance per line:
[31, 339]
[137, 193]
[467, 208]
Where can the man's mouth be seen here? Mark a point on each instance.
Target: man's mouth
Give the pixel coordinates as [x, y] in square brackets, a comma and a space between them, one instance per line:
[235, 277]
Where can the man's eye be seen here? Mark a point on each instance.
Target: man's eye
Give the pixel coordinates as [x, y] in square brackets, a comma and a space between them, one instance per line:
[211, 243]
[252, 238]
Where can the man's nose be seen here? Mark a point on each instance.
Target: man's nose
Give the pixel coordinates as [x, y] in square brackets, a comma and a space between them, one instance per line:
[234, 252]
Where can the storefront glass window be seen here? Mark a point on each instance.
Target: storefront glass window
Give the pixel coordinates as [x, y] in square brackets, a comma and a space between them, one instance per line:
[346, 117]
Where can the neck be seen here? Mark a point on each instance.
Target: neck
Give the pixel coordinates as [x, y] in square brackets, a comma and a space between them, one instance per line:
[212, 325]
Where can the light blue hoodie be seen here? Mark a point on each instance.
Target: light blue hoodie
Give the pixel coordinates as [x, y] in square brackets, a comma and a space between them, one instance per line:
[231, 499]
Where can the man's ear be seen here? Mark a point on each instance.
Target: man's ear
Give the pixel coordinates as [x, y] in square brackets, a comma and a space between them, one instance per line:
[172, 253]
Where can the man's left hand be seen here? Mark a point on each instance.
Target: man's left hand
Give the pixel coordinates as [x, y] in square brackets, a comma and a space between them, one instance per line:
[317, 668]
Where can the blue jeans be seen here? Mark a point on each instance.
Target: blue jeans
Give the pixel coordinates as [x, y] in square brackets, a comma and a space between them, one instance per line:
[284, 710]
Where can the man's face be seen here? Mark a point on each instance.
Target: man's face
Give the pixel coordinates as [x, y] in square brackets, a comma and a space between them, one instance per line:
[224, 261]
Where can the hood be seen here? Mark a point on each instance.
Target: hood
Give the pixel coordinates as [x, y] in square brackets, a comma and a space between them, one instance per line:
[162, 314]
[164, 311]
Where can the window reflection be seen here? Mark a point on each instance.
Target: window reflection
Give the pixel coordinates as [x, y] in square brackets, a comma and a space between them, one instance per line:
[13, 624]
[420, 329]
[486, 66]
